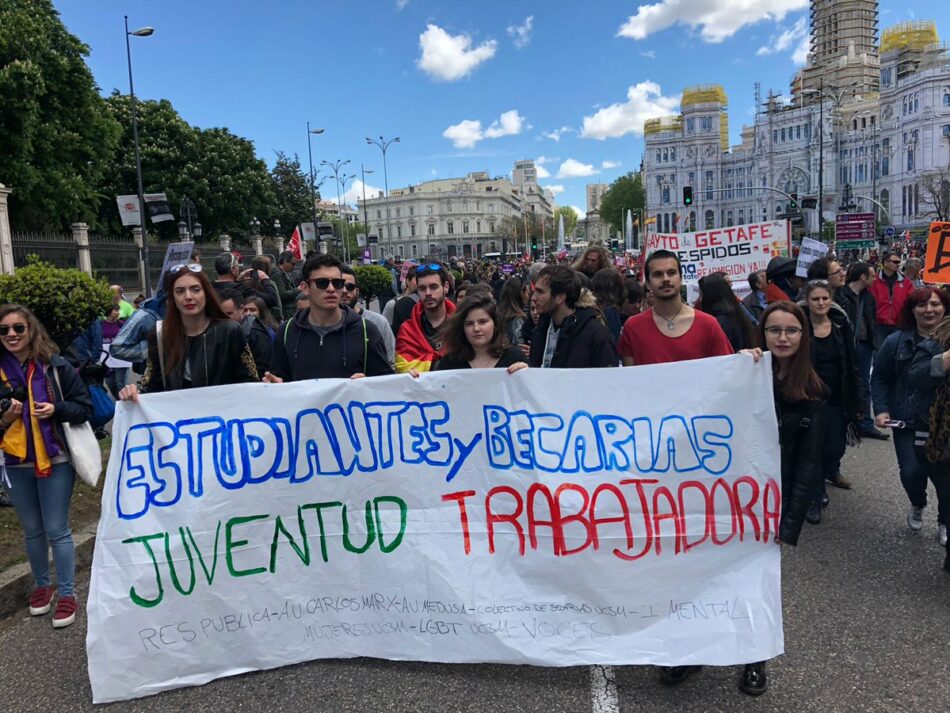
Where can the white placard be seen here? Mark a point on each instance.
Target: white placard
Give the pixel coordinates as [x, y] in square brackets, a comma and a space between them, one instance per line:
[810, 251]
[175, 254]
[467, 516]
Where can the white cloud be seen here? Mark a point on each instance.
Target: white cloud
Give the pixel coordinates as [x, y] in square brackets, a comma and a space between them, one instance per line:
[508, 124]
[795, 38]
[542, 171]
[468, 132]
[555, 189]
[649, 54]
[353, 194]
[401, 4]
[556, 134]
[717, 19]
[448, 57]
[575, 169]
[581, 214]
[644, 101]
[541, 160]
[609, 164]
[521, 34]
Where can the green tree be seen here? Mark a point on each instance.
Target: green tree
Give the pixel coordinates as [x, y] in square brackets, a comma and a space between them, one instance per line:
[65, 300]
[291, 191]
[55, 135]
[373, 280]
[570, 218]
[626, 193]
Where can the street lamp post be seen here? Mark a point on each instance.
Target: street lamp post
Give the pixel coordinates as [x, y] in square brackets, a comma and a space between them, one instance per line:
[383, 145]
[141, 32]
[335, 168]
[346, 223]
[363, 172]
[313, 195]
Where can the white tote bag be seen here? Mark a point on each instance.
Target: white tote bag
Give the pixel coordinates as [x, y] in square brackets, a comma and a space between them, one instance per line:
[83, 446]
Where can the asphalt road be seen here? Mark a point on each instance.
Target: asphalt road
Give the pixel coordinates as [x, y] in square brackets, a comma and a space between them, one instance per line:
[867, 617]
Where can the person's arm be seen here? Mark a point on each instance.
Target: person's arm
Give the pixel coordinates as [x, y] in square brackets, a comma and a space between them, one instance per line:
[377, 361]
[883, 375]
[76, 404]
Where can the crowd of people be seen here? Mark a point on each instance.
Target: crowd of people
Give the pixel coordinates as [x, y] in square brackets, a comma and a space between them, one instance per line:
[855, 348]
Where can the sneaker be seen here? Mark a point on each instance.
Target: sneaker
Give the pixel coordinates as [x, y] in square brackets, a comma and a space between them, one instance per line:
[754, 681]
[65, 613]
[942, 534]
[839, 481]
[813, 515]
[915, 518]
[41, 601]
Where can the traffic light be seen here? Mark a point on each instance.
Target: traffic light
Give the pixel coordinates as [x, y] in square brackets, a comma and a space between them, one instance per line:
[793, 206]
[687, 195]
[614, 244]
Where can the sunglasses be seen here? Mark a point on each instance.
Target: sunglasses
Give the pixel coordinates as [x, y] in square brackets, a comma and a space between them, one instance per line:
[190, 266]
[322, 283]
[350, 287]
[430, 266]
[18, 328]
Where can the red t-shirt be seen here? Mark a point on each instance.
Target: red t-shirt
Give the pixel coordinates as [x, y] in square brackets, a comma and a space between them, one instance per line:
[642, 340]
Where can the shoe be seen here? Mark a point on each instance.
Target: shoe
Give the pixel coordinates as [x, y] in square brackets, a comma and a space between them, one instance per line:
[824, 499]
[65, 613]
[839, 481]
[875, 434]
[40, 601]
[915, 518]
[754, 681]
[942, 534]
[813, 515]
[675, 675]
[5, 501]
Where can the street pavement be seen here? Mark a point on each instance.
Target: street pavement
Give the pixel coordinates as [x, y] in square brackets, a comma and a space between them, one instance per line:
[867, 628]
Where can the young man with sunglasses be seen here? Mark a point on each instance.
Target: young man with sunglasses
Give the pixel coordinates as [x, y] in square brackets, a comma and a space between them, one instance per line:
[329, 340]
[351, 297]
[418, 342]
[890, 290]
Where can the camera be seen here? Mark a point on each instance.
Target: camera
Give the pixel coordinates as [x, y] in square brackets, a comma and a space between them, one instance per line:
[8, 393]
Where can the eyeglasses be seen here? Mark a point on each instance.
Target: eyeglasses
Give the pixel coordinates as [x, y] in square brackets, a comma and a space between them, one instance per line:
[350, 287]
[818, 283]
[18, 328]
[430, 266]
[322, 283]
[787, 331]
[190, 266]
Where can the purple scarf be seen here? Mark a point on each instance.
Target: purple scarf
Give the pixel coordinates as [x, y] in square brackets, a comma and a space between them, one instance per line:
[41, 390]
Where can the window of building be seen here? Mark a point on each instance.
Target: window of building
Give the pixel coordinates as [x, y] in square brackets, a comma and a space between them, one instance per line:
[885, 157]
[672, 154]
[398, 212]
[692, 220]
[916, 199]
[428, 210]
[741, 216]
[412, 229]
[706, 123]
[464, 226]
[666, 222]
[916, 101]
[448, 207]
[666, 155]
[710, 219]
[412, 210]
[379, 214]
[464, 206]
[430, 229]
[783, 133]
[665, 194]
[491, 207]
[729, 218]
[946, 98]
[659, 156]
[398, 231]
[450, 227]
[886, 76]
[910, 159]
[478, 226]
[414, 249]
[690, 125]
[491, 226]
[807, 131]
[692, 179]
[775, 136]
[798, 131]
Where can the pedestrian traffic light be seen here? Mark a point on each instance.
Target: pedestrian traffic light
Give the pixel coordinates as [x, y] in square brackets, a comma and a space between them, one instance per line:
[794, 204]
[687, 195]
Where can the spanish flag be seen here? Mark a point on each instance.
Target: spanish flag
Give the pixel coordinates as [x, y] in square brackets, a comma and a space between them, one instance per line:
[413, 350]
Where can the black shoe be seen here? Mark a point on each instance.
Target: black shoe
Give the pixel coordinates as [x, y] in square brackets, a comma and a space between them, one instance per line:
[675, 675]
[5, 500]
[813, 515]
[875, 434]
[754, 681]
[824, 499]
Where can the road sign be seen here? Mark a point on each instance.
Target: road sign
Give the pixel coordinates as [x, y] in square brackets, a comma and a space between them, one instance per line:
[855, 244]
[854, 226]
[889, 232]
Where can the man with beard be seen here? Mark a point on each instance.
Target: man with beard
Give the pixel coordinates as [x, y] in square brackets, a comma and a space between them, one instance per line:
[418, 342]
[351, 297]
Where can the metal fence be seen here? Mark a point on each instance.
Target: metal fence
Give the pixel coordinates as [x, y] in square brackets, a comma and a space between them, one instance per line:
[58, 250]
[115, 260]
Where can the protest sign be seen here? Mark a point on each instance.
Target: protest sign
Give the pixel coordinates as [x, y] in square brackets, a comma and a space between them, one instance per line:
[737, 251]
[404, 269]
[175, 254]
[810, 251]
[937, 263]
[155, 203]
[249, 527]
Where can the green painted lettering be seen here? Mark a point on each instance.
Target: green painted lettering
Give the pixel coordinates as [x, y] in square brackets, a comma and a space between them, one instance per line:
[370, 531]
[303, 554]
[231, 545]
[318, 507]
[136, 598]
[403, 510]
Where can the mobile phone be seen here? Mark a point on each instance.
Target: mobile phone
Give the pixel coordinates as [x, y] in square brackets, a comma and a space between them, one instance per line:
[895, 424]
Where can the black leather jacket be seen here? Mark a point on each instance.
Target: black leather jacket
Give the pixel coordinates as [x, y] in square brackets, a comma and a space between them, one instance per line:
[801, 434]
[218, 356]
[583, 343]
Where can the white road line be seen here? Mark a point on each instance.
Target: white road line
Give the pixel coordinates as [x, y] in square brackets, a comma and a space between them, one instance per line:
[603, 690]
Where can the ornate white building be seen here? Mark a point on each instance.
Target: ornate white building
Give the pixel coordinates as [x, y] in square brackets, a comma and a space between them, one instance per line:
[889, 144]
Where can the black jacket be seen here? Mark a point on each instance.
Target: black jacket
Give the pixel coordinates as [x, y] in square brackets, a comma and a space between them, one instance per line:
[583, 342]
[286, 284]
[801, 434]
[854, 397]
[260, 341]
[218, 356]
[850, 302]
[923, 380]
[352, 347]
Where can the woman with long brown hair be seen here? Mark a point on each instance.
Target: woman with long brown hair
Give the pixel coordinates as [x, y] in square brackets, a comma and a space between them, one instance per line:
[473, 338]
[799, 405]
[198, 345]
[43, 391]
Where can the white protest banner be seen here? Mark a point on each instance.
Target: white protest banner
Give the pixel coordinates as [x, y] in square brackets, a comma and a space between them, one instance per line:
[737, 251]
[810, 251]
[129, 210]
[462, 517]
[175, 254]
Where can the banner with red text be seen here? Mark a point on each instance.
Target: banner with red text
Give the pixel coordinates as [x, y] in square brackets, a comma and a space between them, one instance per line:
[737, 250]
[603, 516]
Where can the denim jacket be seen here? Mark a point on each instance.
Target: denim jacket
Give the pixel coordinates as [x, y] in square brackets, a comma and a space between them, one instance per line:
[889, 377]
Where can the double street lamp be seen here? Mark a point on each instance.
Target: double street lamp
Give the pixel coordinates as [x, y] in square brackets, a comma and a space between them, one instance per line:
[141, 32]
[335, 168]
[313, 195]
[382, 144]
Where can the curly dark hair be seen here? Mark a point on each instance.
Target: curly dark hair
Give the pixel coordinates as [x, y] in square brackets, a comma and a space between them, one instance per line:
[453, 331]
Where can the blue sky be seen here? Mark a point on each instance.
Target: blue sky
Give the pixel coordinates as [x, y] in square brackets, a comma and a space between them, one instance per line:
[467, 86]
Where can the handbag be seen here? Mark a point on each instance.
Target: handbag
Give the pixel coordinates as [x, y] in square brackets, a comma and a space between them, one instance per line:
[83, 446]
[103, 407]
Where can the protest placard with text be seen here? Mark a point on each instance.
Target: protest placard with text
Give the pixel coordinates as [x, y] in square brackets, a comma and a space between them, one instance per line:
[937, 262]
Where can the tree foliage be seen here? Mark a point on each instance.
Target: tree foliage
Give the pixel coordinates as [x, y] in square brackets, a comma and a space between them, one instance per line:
[65, 300]
[570, 218]
[292, 191]
[626, 193]
[373, 280]
[55, 135]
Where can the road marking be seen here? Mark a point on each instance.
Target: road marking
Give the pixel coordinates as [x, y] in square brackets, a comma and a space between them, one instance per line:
[603, 690]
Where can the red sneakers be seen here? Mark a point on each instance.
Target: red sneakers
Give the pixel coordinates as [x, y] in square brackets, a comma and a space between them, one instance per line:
[40, 601]
[65, 613]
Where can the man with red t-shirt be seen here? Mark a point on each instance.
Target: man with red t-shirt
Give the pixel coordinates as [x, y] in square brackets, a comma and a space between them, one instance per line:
[671, 330]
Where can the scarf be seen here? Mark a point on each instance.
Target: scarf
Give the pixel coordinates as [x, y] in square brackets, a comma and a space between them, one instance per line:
[29, 439]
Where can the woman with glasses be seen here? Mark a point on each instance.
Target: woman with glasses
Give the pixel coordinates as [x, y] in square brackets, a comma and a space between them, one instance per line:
[799, 405]
[196, 345]
[473, 338]
[833, 357]
[42, 391]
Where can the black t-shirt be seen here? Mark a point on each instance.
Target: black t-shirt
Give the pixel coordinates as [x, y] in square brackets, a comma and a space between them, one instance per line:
[511, 355]
[828, 364]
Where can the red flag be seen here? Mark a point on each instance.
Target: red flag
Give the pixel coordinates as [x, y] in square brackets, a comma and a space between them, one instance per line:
[295, 245]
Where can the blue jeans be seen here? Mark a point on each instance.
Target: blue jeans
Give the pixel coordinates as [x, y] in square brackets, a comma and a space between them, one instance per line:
[42, 505]
[913, 472]
[865, 353]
